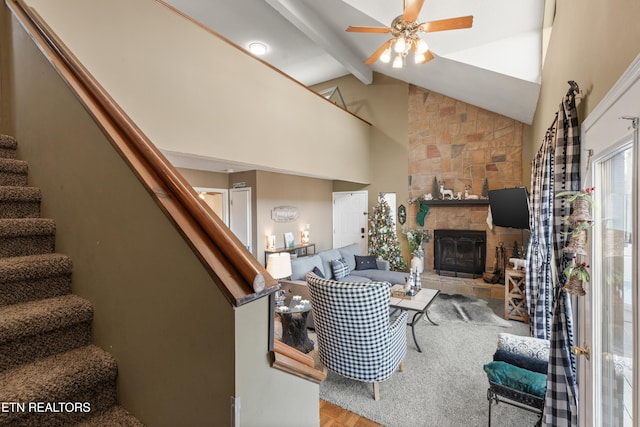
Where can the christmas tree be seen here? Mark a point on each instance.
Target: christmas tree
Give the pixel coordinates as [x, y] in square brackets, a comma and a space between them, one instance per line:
[383, 240]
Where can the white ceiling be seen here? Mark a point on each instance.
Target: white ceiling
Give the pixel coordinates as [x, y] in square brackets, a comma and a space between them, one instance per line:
[495, 65]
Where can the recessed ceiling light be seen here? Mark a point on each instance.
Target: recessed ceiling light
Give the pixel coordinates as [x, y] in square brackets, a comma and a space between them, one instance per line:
[257, 48]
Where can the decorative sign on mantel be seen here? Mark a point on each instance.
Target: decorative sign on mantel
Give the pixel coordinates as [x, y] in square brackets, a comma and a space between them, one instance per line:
[284, 213]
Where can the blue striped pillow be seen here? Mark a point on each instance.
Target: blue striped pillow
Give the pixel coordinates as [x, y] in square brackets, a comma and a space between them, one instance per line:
[340, 268]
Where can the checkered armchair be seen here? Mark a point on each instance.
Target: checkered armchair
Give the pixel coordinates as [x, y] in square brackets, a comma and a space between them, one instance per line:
[356, 337]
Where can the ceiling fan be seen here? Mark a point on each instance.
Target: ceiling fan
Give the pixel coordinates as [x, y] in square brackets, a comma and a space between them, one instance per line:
[404, 30]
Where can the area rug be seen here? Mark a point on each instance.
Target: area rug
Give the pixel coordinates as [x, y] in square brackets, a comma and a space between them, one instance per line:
[444, 385]
[455, 308]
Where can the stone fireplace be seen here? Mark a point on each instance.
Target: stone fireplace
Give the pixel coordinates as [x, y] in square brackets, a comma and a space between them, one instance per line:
[461, 145]
[460, 253]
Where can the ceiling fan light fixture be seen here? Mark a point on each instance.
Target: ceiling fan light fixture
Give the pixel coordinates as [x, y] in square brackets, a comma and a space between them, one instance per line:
[419, 58]
[386, 56]
[397, 62]
[421, 46]
[400, 45]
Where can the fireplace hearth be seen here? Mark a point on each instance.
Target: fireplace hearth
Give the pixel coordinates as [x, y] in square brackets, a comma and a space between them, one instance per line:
[459, 253]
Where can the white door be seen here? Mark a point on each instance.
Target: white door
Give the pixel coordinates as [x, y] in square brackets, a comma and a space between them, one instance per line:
[240, 215]
[350, 219]
[608, 315]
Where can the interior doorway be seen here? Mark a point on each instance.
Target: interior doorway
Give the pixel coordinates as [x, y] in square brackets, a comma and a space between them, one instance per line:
[240, 215]
[350, 219]
[217, 199]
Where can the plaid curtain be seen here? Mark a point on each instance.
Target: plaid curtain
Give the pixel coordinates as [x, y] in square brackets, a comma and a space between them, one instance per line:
[538, 278]
[561, 404]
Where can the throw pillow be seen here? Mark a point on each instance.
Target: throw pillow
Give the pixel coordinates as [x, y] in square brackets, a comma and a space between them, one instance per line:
[367, 262]
[524, 362]
[517, 378]
[318, 272]
[340, 268]
[525, 346]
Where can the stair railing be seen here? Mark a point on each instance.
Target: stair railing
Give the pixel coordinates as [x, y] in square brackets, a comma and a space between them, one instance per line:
[234, 269]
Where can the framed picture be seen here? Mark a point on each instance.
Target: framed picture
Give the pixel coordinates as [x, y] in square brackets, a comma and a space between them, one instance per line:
[288, 240]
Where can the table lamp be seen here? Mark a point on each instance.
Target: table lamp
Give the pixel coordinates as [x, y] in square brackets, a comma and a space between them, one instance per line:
[279, 265]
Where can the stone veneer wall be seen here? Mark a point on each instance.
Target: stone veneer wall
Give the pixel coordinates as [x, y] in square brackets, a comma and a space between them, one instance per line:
[461, 144]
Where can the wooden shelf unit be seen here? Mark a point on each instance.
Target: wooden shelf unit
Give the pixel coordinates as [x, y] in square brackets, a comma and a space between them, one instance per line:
[515, 302]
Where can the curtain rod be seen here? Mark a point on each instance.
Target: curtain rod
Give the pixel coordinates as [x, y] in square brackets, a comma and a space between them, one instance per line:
[574, 90]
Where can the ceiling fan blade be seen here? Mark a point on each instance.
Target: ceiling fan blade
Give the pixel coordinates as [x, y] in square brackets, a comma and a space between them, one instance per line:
[352, 29]
[373, 58]
[447, 24]
[412, 10]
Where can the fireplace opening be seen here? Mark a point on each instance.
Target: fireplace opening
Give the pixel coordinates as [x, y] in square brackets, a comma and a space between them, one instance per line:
[459, 253]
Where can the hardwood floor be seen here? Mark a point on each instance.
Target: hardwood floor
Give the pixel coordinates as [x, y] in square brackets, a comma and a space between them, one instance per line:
[335, 416]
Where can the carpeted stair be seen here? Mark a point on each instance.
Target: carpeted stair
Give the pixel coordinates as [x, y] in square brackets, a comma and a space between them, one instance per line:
[50, 373]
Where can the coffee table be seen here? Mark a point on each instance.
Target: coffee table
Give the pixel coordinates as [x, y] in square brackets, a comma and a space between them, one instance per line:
[420, 304]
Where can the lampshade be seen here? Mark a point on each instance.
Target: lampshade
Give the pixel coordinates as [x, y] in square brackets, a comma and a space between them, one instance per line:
[386, 56]
[421, 46]
[397, 63]
[400, 44]
[279, 265]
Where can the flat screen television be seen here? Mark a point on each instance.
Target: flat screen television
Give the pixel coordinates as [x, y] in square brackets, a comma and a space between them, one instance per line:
[510, 207]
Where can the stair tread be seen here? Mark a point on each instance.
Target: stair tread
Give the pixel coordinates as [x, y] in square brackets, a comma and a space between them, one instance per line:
[116, 416]
[13, 227]
[14, 166]
[52, 378]
[30, 267]
[36, 317]
[21, 193]
[8, 141]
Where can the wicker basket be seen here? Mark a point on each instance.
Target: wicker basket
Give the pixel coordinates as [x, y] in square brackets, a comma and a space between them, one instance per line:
[574, 286]
[581, 210]
[577, 243]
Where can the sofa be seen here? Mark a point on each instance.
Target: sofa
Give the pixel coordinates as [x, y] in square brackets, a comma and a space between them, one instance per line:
[345, 264]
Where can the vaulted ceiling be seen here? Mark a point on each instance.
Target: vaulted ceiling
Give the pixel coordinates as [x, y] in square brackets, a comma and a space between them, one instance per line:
[495, 65]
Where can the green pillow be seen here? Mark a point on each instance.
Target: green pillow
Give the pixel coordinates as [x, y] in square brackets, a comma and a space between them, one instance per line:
[517, 378]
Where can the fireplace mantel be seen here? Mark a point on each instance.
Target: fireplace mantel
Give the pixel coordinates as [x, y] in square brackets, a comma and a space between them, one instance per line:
[470, 202]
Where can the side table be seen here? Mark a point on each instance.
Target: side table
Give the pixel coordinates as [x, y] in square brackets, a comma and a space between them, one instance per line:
[515, 302]
[294, 324]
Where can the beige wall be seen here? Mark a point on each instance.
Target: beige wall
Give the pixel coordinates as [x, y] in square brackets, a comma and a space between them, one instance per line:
[157, 310]
[6, 81]
[207, 179]
[384, 105]
[181, 97]
[182, 351]
[592, 42]
[311, 196]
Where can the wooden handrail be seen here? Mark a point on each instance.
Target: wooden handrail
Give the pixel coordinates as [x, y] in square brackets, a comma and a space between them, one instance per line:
[236, 271]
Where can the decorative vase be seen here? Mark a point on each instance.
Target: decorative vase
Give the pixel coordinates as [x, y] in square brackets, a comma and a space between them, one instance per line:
[417, 262]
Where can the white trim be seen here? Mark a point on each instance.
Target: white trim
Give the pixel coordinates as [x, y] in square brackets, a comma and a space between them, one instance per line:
[604, 131]
[626, 81]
